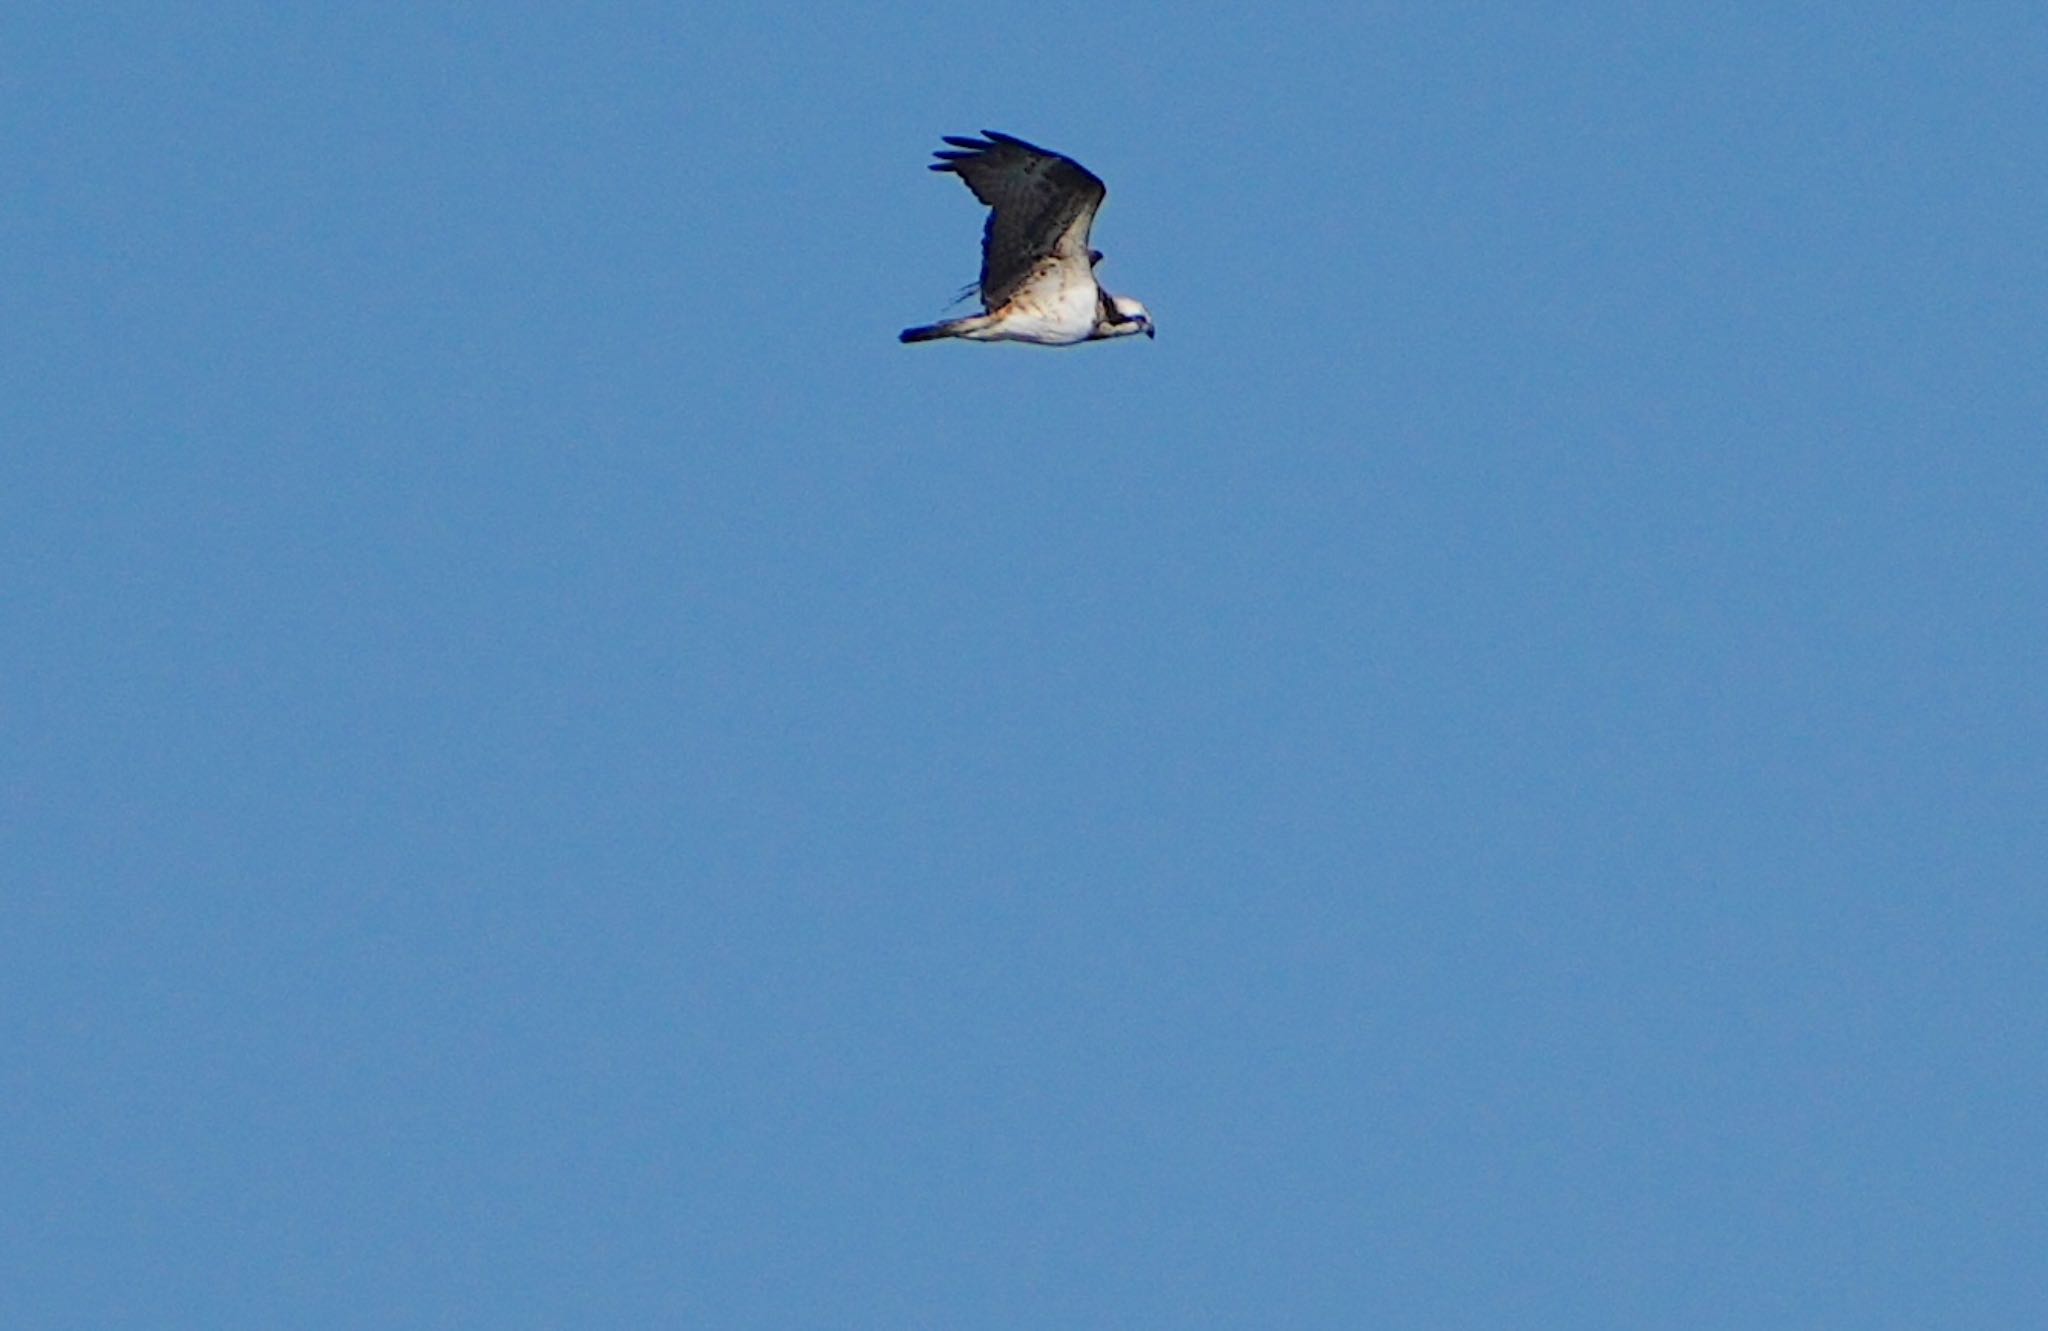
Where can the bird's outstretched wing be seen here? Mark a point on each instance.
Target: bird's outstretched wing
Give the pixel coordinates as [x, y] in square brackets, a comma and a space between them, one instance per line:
[1040, 204]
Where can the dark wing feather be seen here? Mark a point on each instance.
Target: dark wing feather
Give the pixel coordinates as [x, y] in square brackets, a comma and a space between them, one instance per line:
[1040, 204]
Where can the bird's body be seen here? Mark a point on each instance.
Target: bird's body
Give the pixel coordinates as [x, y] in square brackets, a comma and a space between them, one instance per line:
[1055, 307]
[1037, 272]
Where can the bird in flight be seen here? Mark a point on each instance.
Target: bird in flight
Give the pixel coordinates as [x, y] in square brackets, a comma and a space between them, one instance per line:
[1037, 272]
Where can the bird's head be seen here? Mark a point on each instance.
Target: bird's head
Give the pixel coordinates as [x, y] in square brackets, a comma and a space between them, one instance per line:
[1135, 313]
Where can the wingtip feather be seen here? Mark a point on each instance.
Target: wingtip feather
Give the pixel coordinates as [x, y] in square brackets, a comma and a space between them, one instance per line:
[1001, 139]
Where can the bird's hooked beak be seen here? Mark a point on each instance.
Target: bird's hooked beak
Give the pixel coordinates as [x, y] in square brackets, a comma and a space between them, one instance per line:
[1150, 331]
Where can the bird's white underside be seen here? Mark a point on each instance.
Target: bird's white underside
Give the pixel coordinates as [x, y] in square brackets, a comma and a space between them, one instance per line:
[1057, 307]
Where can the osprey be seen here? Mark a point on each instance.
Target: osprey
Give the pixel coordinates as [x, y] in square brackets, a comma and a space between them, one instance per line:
[1037, 272]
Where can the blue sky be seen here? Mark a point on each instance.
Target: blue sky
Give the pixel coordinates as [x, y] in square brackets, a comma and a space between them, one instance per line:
[555, 775]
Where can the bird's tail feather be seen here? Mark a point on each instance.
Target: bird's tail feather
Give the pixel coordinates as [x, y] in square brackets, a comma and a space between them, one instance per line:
[973, 323]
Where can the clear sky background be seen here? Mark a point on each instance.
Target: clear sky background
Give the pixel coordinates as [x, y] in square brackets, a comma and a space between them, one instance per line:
[1496, 775]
